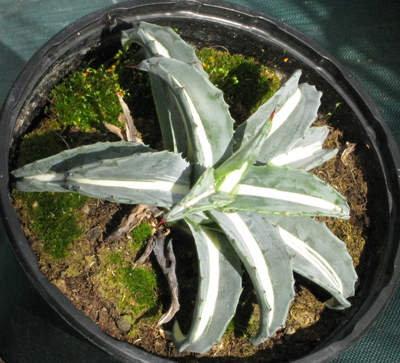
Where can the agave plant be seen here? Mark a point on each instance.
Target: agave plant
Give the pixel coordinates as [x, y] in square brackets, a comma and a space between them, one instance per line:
[245, 195]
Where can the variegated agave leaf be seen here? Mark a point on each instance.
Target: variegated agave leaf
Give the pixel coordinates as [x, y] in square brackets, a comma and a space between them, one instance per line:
[210, 128]
[201, 197]
[318, 255]
[279, 189]
[232, 170]
[279, 100]
[291, 122]
[307, 153]
[213, 187]
[69, 159]
[171, 119]
[119, 172]
[164, 42]
[294, 144]
[268, 262]
[220, 286]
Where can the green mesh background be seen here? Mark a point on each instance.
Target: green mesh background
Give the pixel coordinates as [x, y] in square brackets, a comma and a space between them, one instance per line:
[363, 35]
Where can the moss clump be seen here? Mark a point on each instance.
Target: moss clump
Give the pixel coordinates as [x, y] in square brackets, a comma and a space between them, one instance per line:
[36, 146]
[231, 326]
[142, 232]
[246, 83]
[141, 284]
[54, 218]
[116, 259]
[87, 98]
[134, 290]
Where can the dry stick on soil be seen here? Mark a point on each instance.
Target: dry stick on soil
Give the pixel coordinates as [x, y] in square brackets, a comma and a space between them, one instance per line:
[116, 130]
[169, 272]
[138, 214]
[130, 134]
[131, 131]
[149, 248]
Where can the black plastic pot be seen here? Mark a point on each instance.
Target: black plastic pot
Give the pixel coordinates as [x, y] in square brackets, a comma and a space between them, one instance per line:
[244, 31]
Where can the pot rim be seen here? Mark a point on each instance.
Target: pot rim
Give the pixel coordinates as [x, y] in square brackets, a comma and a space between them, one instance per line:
[231, 15]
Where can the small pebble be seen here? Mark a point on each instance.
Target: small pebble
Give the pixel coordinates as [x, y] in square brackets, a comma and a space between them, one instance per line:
[124, 323]
[86, 209]
[60, 283]
[290, 330]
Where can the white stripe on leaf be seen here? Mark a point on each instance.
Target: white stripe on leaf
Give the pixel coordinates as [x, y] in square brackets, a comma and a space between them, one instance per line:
[256, 258]
[313, 257]
[146, 185]
[45, 177]
[281, 116]
[161, 50]
[244, 189]
[296, 154]
[213, 283]
[232, 179]
[205, 145]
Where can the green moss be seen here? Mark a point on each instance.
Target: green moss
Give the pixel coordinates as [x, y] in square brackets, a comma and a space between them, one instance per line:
[116, 259]
[246, 83]
[37, 146]
[53, 218]
[142, 232]
[231, 326]
[141, 283]
[134, 291]
[87, 98]
[254, 321]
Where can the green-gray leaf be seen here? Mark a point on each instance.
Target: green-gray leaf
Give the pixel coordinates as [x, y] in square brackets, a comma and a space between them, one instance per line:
[268, 262]
[164, 42]
[233, 169]
[220, 286]
[291, 122]
[250, 127]
[307, 153]
[318, 255]
[153, 178]
[282, 190]
[201, 197]
[82, 155]
[205, 113]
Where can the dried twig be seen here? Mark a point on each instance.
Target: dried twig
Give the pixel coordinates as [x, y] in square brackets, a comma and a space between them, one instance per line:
[116, 130]
[61, 138]
[345, 154]
[164, 259]
[137, 215]
[131, 131]
[149, 248]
